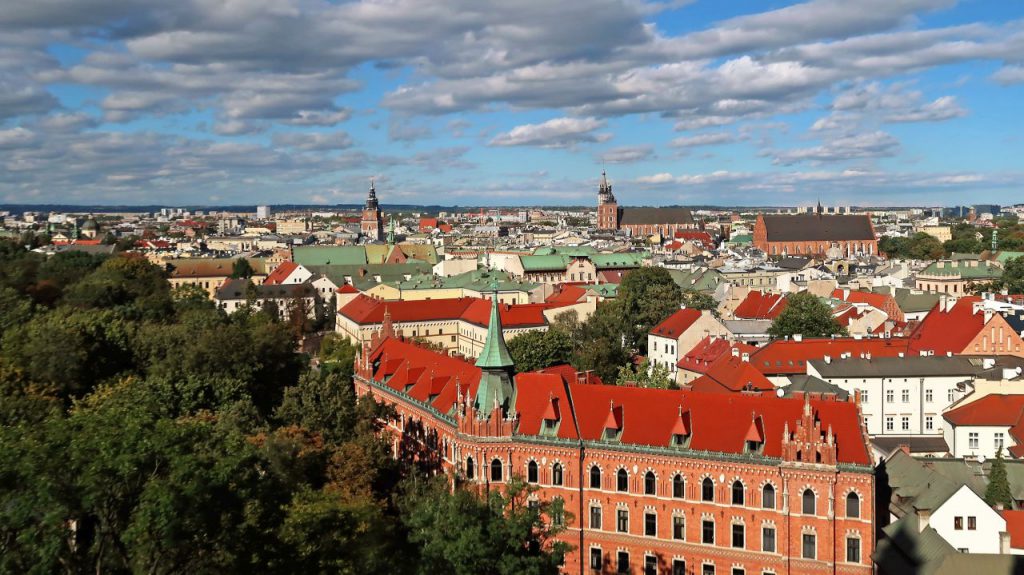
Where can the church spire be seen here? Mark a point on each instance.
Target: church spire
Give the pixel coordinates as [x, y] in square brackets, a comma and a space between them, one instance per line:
[371, 198]
[496, 367]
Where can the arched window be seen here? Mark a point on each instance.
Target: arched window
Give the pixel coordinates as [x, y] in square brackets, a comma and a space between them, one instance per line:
[650, 483]
[809, 504]
[737, 492]
[853, 505]
[556, 474]
[622, 480]
[531, 472]
[678, 486]
[470, 467]
[768, 496]
[707, 489]
[595, 477]
[496, 470]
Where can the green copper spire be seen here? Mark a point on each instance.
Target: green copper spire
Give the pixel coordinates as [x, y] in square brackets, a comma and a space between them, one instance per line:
[494, 354]
[495, 363]
[391, 231]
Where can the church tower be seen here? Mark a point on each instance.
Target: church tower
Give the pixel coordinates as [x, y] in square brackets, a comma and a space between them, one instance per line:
[496, 366]
[607, 208]
[372, 222]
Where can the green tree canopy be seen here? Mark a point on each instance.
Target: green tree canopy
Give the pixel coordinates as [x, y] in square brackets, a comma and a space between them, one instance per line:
[242, 269]
[805, 314]
[998, 489]
[535, 350]
[646, 296]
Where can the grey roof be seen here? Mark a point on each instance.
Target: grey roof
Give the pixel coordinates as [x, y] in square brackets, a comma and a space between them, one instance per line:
[653, 216]
[810, 384]
[237, 289]
[818, 227]
[793, 263]
[906, 549]
[916, 443]
[747, 326]
[910, 366]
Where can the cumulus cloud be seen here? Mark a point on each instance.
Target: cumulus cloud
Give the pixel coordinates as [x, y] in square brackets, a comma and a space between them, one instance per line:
[702, 140]
[554, 133]
[1010, 74]
[876, 144]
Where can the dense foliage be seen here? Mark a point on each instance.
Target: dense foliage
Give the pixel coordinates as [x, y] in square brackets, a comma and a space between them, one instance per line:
[807, 315]
[143, 430]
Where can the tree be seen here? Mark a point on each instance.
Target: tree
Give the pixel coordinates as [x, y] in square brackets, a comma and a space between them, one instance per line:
[645, 375]
[694, 299]
[998, 489]
[535, 350]
[646, 296]
[599, 346]
[242, 269]
[807, 315]
[925, 247]
[1012, 279]
[499, 534]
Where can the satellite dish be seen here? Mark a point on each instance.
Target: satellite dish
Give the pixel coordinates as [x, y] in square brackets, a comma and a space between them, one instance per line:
[981, 459]
[780, 392]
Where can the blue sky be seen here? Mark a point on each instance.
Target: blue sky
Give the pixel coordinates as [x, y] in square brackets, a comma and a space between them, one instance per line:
[495, 102]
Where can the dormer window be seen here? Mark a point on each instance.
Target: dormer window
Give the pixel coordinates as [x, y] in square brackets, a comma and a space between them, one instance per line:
[613, 423]
[681, 430]
[753, 441]
[551, 417]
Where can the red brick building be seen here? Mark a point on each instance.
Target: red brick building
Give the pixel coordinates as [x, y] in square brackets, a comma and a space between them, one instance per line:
[371, 224]
[818, 234]
[640, 221]
[657, 481]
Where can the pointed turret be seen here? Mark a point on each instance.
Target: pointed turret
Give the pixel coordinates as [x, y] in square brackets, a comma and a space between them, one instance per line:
[371, 198]
[496, 366]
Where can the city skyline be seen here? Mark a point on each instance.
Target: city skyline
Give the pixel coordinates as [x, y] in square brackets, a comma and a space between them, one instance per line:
[909, 102]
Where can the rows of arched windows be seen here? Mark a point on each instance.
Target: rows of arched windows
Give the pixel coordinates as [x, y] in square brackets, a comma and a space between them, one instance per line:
[808, 499]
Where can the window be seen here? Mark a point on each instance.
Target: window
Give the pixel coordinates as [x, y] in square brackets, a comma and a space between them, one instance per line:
[949, 396]
[972, 440]
[622, 565]
[890, 396]
[972, 523]
[556, 474]
[496, 470]
[768, 496]
[622, 521]
[905, 396]
[738, 571]
[707, 532]
[678, 487]
[737, 492]
[678, 567]
[852, 505]
[707, 569]
[678, 527]
[595, 517]
[558, 511]
[650, 565]
[998, 441]
[958, 523]
[768, 539]
[905, 423]
[596, 558]
[707, 489]
[650, 483]
[928, 395]
[622, 480]
[650, 524]
[852, 550]
[888, 423]
[469, 467]
[809, 504]
[531, 472]
[863, 396]
[738, 533]
[810, 545]
[929, 423]
[595, 477]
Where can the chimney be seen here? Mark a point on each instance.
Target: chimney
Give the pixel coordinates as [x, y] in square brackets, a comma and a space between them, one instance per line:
[905, 448]
[1004, 543]
[988, 363]
[745, 357]
[923, 518]
[867, 356]
[828, 359]
[798, 337]
[735, 352]
[900, 354]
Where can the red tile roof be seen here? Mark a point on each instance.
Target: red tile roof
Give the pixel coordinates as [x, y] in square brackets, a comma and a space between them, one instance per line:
[1014, 526]
[512, 316]
[567, 294]
[347, 288]
[948, 331]
[718, 422]
[760, 305]
[787, 357]
[708, 350]
[677, 323]
[281, 273]
[695, 236]
[569, 374]
[989, 410]
[424, 374]
[366, 310]
[732, 373]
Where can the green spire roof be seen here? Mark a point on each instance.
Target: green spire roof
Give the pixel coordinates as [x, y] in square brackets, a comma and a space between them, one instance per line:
[494, 354]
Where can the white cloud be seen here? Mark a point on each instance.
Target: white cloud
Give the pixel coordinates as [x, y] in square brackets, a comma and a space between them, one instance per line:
[1009, 74]
[627, 154]
[876, 144]
[702, 140]
[554, 133]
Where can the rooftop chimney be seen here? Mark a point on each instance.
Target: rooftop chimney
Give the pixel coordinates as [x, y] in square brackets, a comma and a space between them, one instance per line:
[798, 337]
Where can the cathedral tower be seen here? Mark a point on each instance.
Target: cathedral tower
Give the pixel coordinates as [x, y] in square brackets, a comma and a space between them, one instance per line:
[372, 222]
[607, 208]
